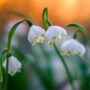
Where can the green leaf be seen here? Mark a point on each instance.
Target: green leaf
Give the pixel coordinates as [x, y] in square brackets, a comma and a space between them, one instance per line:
[45, 18]
[49, 23]
[80, 29]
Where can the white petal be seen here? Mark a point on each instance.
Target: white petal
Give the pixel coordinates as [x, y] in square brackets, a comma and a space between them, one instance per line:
[14, 65]
[72, 46]
[61, 30]
[35, 33]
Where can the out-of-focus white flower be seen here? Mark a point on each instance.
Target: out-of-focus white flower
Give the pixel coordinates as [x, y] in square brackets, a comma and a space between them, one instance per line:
[73, 47]
[13, 66]
[55, 33]
[36, 34]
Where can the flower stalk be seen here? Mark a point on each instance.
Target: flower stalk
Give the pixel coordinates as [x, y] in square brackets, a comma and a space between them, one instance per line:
[65, 66]
[9, 45]
[1, 69]
[80, 29]
[45, 22]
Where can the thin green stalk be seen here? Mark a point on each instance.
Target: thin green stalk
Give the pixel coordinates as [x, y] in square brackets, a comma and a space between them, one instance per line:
[1, 68]
[9, 45]
[2, 86]
[65, 66]
[6, 79]
[47, 23]
[80, 29]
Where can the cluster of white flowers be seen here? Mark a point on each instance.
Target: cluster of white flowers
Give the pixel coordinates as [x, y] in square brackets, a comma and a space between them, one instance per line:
[55, 34]
[14, 65]
[52, 35]
[38, 34]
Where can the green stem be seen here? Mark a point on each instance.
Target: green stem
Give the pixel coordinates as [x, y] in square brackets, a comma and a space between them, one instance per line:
[1, 86]
[9, 45]
[66, 67]
[47, 23]
[6, 79]
[80, 29]
[1, 68]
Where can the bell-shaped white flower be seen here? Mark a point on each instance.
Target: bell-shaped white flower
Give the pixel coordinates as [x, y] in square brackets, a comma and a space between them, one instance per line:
[55, 33]
[13, 65]
[72, 47]
[36, 34]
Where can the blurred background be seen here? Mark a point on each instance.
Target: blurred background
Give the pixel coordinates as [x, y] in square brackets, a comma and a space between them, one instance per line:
[42, 69]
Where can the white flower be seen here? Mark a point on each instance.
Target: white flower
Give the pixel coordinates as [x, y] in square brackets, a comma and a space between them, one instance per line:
[73, 47]
[36, 34]
[55, 33]
[13, 65]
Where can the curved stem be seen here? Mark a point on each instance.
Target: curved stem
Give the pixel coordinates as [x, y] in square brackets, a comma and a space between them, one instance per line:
[9, 45]
[66, 67]
[80, 29]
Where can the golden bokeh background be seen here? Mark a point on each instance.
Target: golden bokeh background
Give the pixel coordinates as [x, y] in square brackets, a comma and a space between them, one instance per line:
[61, 12]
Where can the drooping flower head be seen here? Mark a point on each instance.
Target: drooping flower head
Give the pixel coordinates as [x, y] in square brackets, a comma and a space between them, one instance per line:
[13, 66]
[36, 34]
[55, 33]
[72, 47]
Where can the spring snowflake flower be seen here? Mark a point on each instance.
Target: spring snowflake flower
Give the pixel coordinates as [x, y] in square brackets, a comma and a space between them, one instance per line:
[73, 47]
[14, 65]
[36, 34]
[55, 33]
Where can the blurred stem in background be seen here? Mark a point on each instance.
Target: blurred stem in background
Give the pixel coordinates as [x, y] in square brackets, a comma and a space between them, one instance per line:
[47, 23]
[1, 69]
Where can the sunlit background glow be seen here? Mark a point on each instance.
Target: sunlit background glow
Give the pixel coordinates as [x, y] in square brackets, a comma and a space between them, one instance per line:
[61, 12]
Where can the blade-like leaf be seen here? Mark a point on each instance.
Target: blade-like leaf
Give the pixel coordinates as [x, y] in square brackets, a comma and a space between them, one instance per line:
[45, 18]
